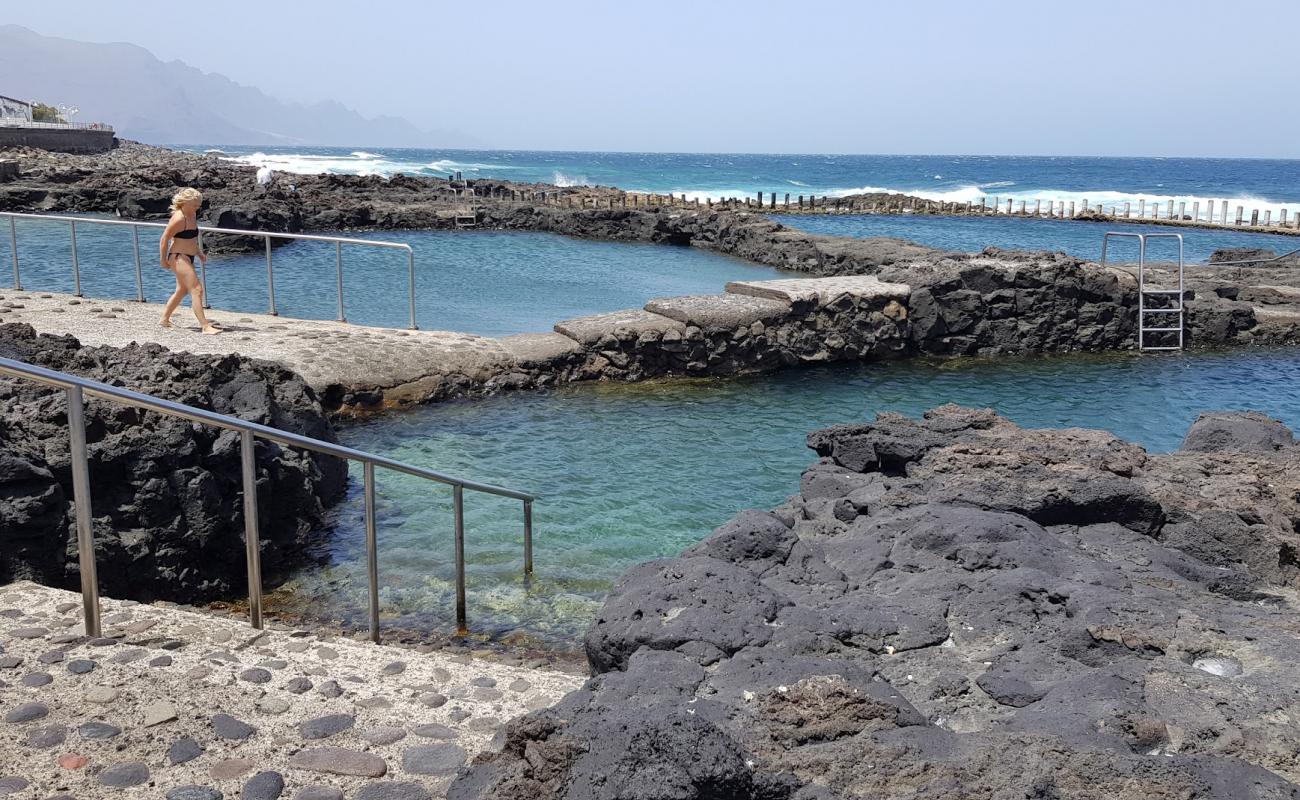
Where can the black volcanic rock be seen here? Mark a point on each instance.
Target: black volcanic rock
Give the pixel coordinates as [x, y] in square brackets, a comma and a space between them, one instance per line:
[953, 606]
[168, 520]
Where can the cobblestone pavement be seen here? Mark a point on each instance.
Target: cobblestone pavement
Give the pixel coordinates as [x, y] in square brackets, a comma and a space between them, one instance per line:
[178, 704]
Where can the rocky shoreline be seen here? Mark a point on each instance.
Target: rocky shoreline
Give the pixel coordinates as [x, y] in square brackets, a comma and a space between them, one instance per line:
[162, 488]
[954, 607]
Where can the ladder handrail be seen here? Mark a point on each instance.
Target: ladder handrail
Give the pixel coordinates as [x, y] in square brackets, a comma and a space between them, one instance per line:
[77, 387]
[135, 226]
[1243, 262]
[1143, 291]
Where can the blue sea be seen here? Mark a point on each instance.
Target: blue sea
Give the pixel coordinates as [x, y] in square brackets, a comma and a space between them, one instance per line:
[1253, 183]
[1266, 185]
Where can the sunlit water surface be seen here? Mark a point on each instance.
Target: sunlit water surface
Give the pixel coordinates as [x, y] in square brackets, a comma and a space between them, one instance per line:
[628, 473]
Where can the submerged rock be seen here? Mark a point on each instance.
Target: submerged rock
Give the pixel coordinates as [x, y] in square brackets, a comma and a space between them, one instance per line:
[168, 521]
[953, 606]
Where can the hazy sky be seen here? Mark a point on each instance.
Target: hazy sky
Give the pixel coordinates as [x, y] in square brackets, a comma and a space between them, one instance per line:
[1009, 77]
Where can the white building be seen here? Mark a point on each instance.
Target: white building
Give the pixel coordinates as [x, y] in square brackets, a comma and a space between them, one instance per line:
[11, 109]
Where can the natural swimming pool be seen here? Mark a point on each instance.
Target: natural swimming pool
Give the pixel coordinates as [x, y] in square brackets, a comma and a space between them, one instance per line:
[628, 473]
[491, 283]
[1078, 238]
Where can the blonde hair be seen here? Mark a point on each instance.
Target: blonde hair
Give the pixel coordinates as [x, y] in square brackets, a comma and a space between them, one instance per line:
[184, 196]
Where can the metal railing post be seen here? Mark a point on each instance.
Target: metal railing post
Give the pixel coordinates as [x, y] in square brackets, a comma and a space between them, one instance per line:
[270, 276]
[528, 539]
[372, 550]
[410, 268]
[76, 268]
[81, 502]
[458, 501]
[338, 265]
[139, 278]
[203, 274]
[252, 542]
[13, 247]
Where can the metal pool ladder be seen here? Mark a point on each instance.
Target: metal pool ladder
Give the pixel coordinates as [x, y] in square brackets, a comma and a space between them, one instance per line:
[76, 390]
[1155, 305]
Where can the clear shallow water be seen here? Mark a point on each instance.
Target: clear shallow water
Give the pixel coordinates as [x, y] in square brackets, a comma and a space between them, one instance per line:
[1082, 239]
[485, 282]
[1253, 183]
[630, 473]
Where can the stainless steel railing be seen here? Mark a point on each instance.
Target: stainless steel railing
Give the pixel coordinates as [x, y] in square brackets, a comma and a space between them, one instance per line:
[77, 388]
[267, 236]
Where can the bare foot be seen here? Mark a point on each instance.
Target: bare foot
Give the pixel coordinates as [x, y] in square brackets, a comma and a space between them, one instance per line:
[165, 323]
[211, 330]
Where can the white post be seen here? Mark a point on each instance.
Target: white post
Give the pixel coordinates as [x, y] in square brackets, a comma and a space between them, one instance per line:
[1196, 211]
[1009, 202]
[1038, 208]
[1223, 218]
[1071, 209]
[1142, 209]
[1182, 208]
[1022, 208]
[1085, 205]
[1128, 209]
[1169, 212]
[1281, 222]
[1268, 214]
[1240, 211]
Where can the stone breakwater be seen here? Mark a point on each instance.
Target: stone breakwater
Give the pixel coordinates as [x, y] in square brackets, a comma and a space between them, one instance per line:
[172, 703]
[954, 606]
[161, 487]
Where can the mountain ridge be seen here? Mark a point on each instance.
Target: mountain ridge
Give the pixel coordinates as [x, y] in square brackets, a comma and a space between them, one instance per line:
[125, 85]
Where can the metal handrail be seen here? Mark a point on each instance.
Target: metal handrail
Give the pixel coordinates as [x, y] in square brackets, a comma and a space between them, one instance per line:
[1243, 262]
[1143, 291]
[77, 388]
[338, 241]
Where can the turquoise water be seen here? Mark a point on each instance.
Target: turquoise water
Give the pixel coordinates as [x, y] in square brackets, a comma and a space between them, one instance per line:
[490, 283]
[1253, 183]
[632, 472]
[1082, 239]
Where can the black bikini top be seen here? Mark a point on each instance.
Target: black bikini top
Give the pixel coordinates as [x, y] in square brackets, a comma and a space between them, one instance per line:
[189, 233]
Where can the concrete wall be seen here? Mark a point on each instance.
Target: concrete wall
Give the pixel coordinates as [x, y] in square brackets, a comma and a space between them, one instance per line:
[8, 170]
[61, 140]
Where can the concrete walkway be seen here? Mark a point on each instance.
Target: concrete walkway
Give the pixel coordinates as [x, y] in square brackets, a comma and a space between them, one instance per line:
[324, 353]
[170, 698]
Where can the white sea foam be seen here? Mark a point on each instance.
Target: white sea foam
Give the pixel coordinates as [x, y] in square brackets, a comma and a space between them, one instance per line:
[1003, 191]
[560, 179]
[358, 162]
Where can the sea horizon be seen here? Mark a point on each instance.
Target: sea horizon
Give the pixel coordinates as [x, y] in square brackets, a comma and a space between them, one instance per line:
[1255, 183]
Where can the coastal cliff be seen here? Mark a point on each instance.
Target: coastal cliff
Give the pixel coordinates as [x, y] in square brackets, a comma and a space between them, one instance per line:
[954, 607]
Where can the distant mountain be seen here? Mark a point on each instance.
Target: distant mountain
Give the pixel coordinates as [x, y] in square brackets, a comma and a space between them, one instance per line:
[152, 101]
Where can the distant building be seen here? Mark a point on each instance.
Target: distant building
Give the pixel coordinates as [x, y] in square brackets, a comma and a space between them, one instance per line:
[15, 109]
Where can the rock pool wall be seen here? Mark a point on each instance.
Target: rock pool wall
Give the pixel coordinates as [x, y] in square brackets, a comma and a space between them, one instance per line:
[954, 607]
[166, 521]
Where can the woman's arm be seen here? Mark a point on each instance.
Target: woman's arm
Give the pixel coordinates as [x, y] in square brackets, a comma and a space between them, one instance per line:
[173, 225]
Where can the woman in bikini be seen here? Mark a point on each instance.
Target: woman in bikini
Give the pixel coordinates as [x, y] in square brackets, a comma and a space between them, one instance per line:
[178, 249]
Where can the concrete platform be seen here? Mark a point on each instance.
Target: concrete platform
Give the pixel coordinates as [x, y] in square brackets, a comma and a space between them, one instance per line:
[539, 349]
[588, 330]
[324, 353]
[719, 311]
[822, 290]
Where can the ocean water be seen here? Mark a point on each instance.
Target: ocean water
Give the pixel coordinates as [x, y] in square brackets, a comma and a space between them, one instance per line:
[484, 282]
[1253, 183]
[1082, 239]
[627, 473]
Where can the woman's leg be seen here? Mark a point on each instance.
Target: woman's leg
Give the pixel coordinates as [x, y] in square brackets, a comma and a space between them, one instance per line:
[189, 284]
[174, 301]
